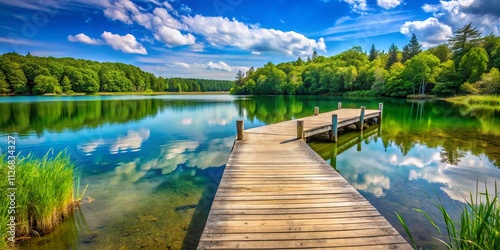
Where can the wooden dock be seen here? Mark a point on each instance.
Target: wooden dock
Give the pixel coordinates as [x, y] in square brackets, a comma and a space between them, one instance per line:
[277, 193]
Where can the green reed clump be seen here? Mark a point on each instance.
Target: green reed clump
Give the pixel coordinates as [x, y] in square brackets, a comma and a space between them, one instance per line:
[44, 195]
[478, 227]
[477, 100]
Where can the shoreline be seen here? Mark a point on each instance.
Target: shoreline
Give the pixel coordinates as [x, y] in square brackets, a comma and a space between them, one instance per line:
[130, 93]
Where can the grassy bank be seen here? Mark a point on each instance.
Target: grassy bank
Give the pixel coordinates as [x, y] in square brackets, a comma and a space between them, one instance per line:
[44, 194]
[479, 101]
[477, 228]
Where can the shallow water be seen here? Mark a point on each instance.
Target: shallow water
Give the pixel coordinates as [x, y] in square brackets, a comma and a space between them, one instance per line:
[152, 163]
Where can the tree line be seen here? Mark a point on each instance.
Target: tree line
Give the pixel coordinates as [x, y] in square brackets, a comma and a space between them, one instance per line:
[468, 63]
[42, 75]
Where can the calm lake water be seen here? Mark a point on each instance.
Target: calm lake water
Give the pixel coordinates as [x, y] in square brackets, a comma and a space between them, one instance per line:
[153, 163]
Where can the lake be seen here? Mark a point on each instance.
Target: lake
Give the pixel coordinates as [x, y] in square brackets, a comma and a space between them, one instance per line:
[152, 164]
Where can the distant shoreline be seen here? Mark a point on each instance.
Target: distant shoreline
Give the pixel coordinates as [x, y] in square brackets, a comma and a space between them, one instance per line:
[131, 93]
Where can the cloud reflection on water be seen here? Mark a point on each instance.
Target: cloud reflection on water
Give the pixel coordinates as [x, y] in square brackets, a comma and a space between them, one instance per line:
[374, 171]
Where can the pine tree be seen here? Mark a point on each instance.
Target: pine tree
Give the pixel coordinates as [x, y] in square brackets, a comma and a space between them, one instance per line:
[414, 46]
[464, 39]
[314, 55]
[393, 56]
[373, 53]
[406, 54]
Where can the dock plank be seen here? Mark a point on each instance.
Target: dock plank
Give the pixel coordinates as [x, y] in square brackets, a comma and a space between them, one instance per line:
[277, 193]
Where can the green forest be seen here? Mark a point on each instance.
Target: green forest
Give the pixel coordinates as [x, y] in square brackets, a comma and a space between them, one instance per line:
[468, 64]
[29, 74]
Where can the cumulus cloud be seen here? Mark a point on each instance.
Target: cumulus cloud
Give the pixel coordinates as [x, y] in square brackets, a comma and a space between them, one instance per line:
[220, 32]
[431, 31]
[483, 14]
[388, 4]
[173, 37]
[173, 29]
[127, 43]
[358, 6]
[82, 38]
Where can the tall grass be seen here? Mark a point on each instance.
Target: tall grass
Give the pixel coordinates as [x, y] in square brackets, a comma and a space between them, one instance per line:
[485, 101]
[44, 195]
[478, 228]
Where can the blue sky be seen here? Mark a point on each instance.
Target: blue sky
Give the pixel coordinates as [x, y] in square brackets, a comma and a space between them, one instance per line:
[216, 38]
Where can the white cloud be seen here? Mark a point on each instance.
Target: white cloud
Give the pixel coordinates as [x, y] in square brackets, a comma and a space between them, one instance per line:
[431, 31]
[173, 37]
[483, 14]
[216, 66]
[430, 8]
[84, 39]
[184, 65]
[127, 43]
[163, 18]
[197, 47]
[358, 6]
[220, 32]
[388, 4]
[117, 11]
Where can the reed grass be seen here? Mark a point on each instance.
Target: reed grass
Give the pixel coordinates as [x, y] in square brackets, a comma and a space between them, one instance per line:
[45, 192]
[486, 100]
[478, 227]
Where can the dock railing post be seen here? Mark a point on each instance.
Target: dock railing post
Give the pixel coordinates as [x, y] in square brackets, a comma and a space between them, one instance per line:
[334, 134]
[381, 108]
[316, 111]
[361, 118]
[339, 105]
[300, 129]
[239, 129]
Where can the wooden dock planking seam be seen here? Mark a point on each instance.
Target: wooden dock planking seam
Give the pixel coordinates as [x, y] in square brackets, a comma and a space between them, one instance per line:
[277, 193]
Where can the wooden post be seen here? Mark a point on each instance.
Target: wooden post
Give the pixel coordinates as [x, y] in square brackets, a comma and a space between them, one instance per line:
[381, 108]
[361, 122]
[360, 139]
[334, 133]
[333, 159]
[300, 129]
[239, 130]
[316, 110]
[339, 105]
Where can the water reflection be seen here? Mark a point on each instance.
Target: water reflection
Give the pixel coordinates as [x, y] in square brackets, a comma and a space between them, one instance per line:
[153, 163]
[424, 152]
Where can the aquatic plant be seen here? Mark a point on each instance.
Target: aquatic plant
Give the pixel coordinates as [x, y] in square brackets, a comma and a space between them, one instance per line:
[478, 227]
[44, 193]
[478, 101]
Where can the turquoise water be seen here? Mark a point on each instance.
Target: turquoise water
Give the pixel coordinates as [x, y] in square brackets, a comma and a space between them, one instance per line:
[152, 163]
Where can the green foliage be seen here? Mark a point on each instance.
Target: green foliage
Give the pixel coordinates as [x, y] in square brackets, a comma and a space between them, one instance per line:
[442, 52]
[490, 82]
[396, 73]
[87, 76]
[422, 69]
[478, 227]
[394, 56]
[464, 39]
[412, 49]
[46, 84]
[473, 64]
[4, 86]
[373, 53]
[447, 82]
[47, 192]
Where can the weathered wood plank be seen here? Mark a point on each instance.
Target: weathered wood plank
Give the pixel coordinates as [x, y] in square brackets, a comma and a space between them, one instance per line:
[277, 193]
